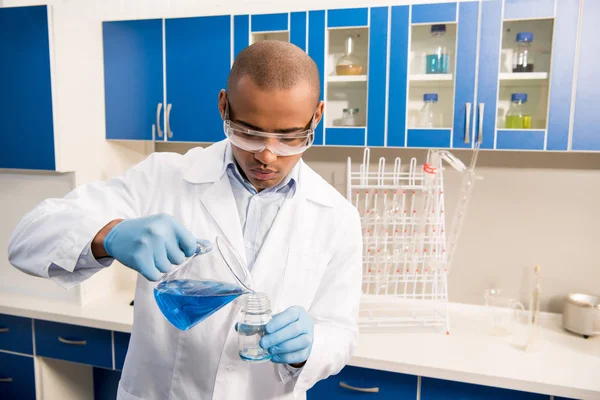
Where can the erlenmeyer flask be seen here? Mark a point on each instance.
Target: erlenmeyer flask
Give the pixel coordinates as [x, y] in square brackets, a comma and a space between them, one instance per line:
[201, 285]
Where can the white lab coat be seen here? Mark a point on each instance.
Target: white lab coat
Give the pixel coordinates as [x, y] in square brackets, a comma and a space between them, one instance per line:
[311, 257]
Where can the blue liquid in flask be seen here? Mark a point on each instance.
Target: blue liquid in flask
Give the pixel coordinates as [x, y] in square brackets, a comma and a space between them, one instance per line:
[185, 303]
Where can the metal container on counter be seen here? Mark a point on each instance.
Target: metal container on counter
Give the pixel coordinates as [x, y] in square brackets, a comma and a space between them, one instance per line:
[581, 314]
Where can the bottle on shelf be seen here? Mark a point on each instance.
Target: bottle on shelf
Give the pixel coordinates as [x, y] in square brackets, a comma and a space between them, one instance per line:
[349, 117]
[349, 63]
[523, 56]
[437, 59]
[516, 117]
[430, 117]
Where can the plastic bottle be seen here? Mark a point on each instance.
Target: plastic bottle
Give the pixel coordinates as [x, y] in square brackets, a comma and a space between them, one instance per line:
[429, 117]
[256, 313]
[523, 56]
[516, 117]
[437, 59]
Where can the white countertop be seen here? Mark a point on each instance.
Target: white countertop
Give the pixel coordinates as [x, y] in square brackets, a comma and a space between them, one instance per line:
[561, 364]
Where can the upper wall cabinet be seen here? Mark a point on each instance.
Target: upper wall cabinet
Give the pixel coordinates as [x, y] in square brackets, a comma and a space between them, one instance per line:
[162, 78]
[504, 74]
[26, 101]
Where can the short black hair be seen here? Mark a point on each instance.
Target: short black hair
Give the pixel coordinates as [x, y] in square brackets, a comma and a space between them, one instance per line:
[275, 65]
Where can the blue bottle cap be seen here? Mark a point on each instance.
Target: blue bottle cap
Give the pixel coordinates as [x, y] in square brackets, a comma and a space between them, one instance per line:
[430, 97]
[522, 97]
[438, 28]
[525, 37]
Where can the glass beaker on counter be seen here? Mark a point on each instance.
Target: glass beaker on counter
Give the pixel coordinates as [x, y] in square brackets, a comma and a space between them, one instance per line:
[429, 116]
[437, 59]
[516, 118]
[523, 59]
[349, 64]
[503, 312]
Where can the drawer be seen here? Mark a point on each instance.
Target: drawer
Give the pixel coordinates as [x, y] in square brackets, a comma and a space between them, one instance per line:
[73, 343]
[15, 334]
[121, 345]
[17, 377]
[437, 389]
[354, 382]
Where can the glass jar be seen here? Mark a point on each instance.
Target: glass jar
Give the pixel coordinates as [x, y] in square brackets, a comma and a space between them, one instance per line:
[349, 117]
[523, 57]
[437, 59]
[516, 117]
[429, 117]
[349, 64]
[256, 313]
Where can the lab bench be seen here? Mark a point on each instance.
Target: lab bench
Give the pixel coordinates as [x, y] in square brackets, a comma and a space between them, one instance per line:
[467, 364]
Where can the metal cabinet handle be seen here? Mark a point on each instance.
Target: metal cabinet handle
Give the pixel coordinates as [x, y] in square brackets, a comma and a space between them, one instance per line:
[357, 389]
[73, 342]
[158, 108]
[4, 330]
[168, 121]
[6, 380]
[468, 124]
[481, 109]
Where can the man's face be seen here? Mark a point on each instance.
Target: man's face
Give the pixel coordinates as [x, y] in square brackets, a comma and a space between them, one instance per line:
[276, 111]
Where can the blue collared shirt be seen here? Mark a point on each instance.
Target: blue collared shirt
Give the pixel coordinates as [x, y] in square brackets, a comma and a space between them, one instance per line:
[257, 210]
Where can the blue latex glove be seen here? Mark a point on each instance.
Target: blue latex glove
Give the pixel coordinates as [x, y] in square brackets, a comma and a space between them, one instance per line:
[150, 245]
[289, 336]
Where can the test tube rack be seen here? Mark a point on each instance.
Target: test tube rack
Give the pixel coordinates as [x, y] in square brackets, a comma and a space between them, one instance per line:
[406, 248]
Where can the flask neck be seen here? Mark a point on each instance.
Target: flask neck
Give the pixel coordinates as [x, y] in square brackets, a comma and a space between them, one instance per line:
[349, 45]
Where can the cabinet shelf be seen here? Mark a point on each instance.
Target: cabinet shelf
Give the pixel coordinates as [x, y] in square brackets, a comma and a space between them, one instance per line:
[431, 80]
[346, 78]
[524, 78]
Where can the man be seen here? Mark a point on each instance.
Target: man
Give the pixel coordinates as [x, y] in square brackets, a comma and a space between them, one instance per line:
[299, 237]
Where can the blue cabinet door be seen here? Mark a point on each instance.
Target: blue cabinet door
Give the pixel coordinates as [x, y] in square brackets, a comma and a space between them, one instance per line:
[121, 344]
[587, 118]
[316, 49]
[490, 35]
[198, 61]
[354, 382]
[16, 334]
[466, 61]
[437, 389]
[17, 377]
[26, 101]
[398, 82]
[563, 68]
[133, 79]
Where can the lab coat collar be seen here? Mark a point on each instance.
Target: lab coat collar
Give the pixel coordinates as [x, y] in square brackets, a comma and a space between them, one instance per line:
[208, 166]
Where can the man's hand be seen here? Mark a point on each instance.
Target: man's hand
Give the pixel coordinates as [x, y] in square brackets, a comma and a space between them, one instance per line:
[149, 245]
[289, 337]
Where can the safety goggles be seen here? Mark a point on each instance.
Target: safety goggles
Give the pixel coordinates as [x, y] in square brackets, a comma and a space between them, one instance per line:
[280, 144]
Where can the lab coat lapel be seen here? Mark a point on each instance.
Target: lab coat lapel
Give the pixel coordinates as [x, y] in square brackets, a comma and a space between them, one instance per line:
[215, 193]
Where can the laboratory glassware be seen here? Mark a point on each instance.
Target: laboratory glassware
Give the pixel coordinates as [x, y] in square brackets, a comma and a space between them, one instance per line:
[523, 59]
[349, 117]
[406, 265]
[437, 59]
[202, 285]
[349, 63]
[516, 118]
[429, 116]
[503, 312]
[256, 313]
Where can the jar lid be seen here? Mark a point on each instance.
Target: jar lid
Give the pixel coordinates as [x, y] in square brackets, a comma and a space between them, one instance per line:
[525, 37]
[584, 300]
[350, 110]
[438, 28]
[519, 97]
[430, 97]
